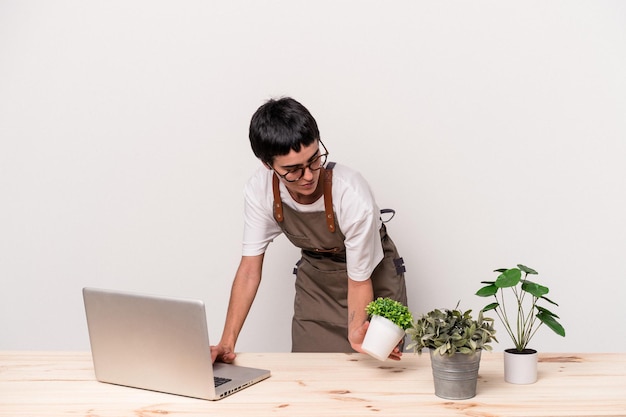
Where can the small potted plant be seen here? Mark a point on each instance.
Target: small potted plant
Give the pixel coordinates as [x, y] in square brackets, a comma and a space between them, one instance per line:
[455, 342]
[388, 321]
[520, 362]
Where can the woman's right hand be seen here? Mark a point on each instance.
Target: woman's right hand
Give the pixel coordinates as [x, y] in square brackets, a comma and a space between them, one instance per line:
[221, 353]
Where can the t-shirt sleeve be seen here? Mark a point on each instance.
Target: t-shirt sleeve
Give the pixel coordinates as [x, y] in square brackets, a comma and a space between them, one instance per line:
[260, 227]
[359, 220]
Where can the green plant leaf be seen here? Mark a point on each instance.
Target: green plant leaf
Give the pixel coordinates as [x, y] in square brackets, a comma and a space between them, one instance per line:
[509, 278]
[550, 301]
[490, 307]
[549, 321]
[535, 289]
[487, 291]
[546, 311]
[501, 270]
[527, 269]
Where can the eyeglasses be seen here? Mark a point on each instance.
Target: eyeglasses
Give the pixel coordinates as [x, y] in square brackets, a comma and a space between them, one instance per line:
[297, 173]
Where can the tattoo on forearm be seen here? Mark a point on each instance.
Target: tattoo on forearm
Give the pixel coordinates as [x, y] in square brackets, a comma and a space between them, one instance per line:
[351, 319]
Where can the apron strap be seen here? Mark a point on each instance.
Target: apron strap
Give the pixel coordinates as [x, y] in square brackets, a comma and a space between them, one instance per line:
[278, 204]
[328, 196]
[387, 211]
[327, 173]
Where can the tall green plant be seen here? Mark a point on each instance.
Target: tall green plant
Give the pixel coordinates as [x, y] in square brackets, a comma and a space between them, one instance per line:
[528, 315]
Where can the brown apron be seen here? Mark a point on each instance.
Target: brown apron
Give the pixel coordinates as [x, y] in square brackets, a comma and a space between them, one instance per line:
[320, 320]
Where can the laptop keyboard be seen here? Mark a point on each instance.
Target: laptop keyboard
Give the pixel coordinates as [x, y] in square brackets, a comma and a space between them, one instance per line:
[220, 381]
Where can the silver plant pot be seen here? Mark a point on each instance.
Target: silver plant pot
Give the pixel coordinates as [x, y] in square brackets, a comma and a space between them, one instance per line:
[455, 376]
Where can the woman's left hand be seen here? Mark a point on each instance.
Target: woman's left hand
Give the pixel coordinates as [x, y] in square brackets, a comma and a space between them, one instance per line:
[358, 335]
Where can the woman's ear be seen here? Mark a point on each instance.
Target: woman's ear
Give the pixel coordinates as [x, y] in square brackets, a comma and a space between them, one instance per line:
[268, 166]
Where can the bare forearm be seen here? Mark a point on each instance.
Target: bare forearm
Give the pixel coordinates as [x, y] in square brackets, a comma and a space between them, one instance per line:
[243, 292]
[360, 293]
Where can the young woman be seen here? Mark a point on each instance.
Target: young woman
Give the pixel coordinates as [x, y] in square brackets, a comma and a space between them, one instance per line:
[328, 211]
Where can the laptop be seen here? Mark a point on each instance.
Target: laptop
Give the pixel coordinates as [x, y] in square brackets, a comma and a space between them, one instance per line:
[159, 344]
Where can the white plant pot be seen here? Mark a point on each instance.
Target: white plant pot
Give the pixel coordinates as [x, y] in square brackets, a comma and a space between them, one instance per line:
[382, 336]
[520, 367]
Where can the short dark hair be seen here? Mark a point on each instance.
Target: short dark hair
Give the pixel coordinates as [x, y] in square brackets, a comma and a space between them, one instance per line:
[279, 126]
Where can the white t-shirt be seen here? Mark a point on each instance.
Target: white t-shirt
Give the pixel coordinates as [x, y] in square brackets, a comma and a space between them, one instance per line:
[357, 215]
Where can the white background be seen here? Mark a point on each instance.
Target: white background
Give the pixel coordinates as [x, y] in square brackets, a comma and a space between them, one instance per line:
[496, 129]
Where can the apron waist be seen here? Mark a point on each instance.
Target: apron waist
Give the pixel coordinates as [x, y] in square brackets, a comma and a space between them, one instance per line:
[335, 256]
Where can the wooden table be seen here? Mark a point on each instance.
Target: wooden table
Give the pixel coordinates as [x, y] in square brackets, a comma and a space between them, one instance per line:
[320, 384]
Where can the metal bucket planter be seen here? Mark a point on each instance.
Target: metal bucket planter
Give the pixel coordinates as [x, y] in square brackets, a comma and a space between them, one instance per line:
[455, 376]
